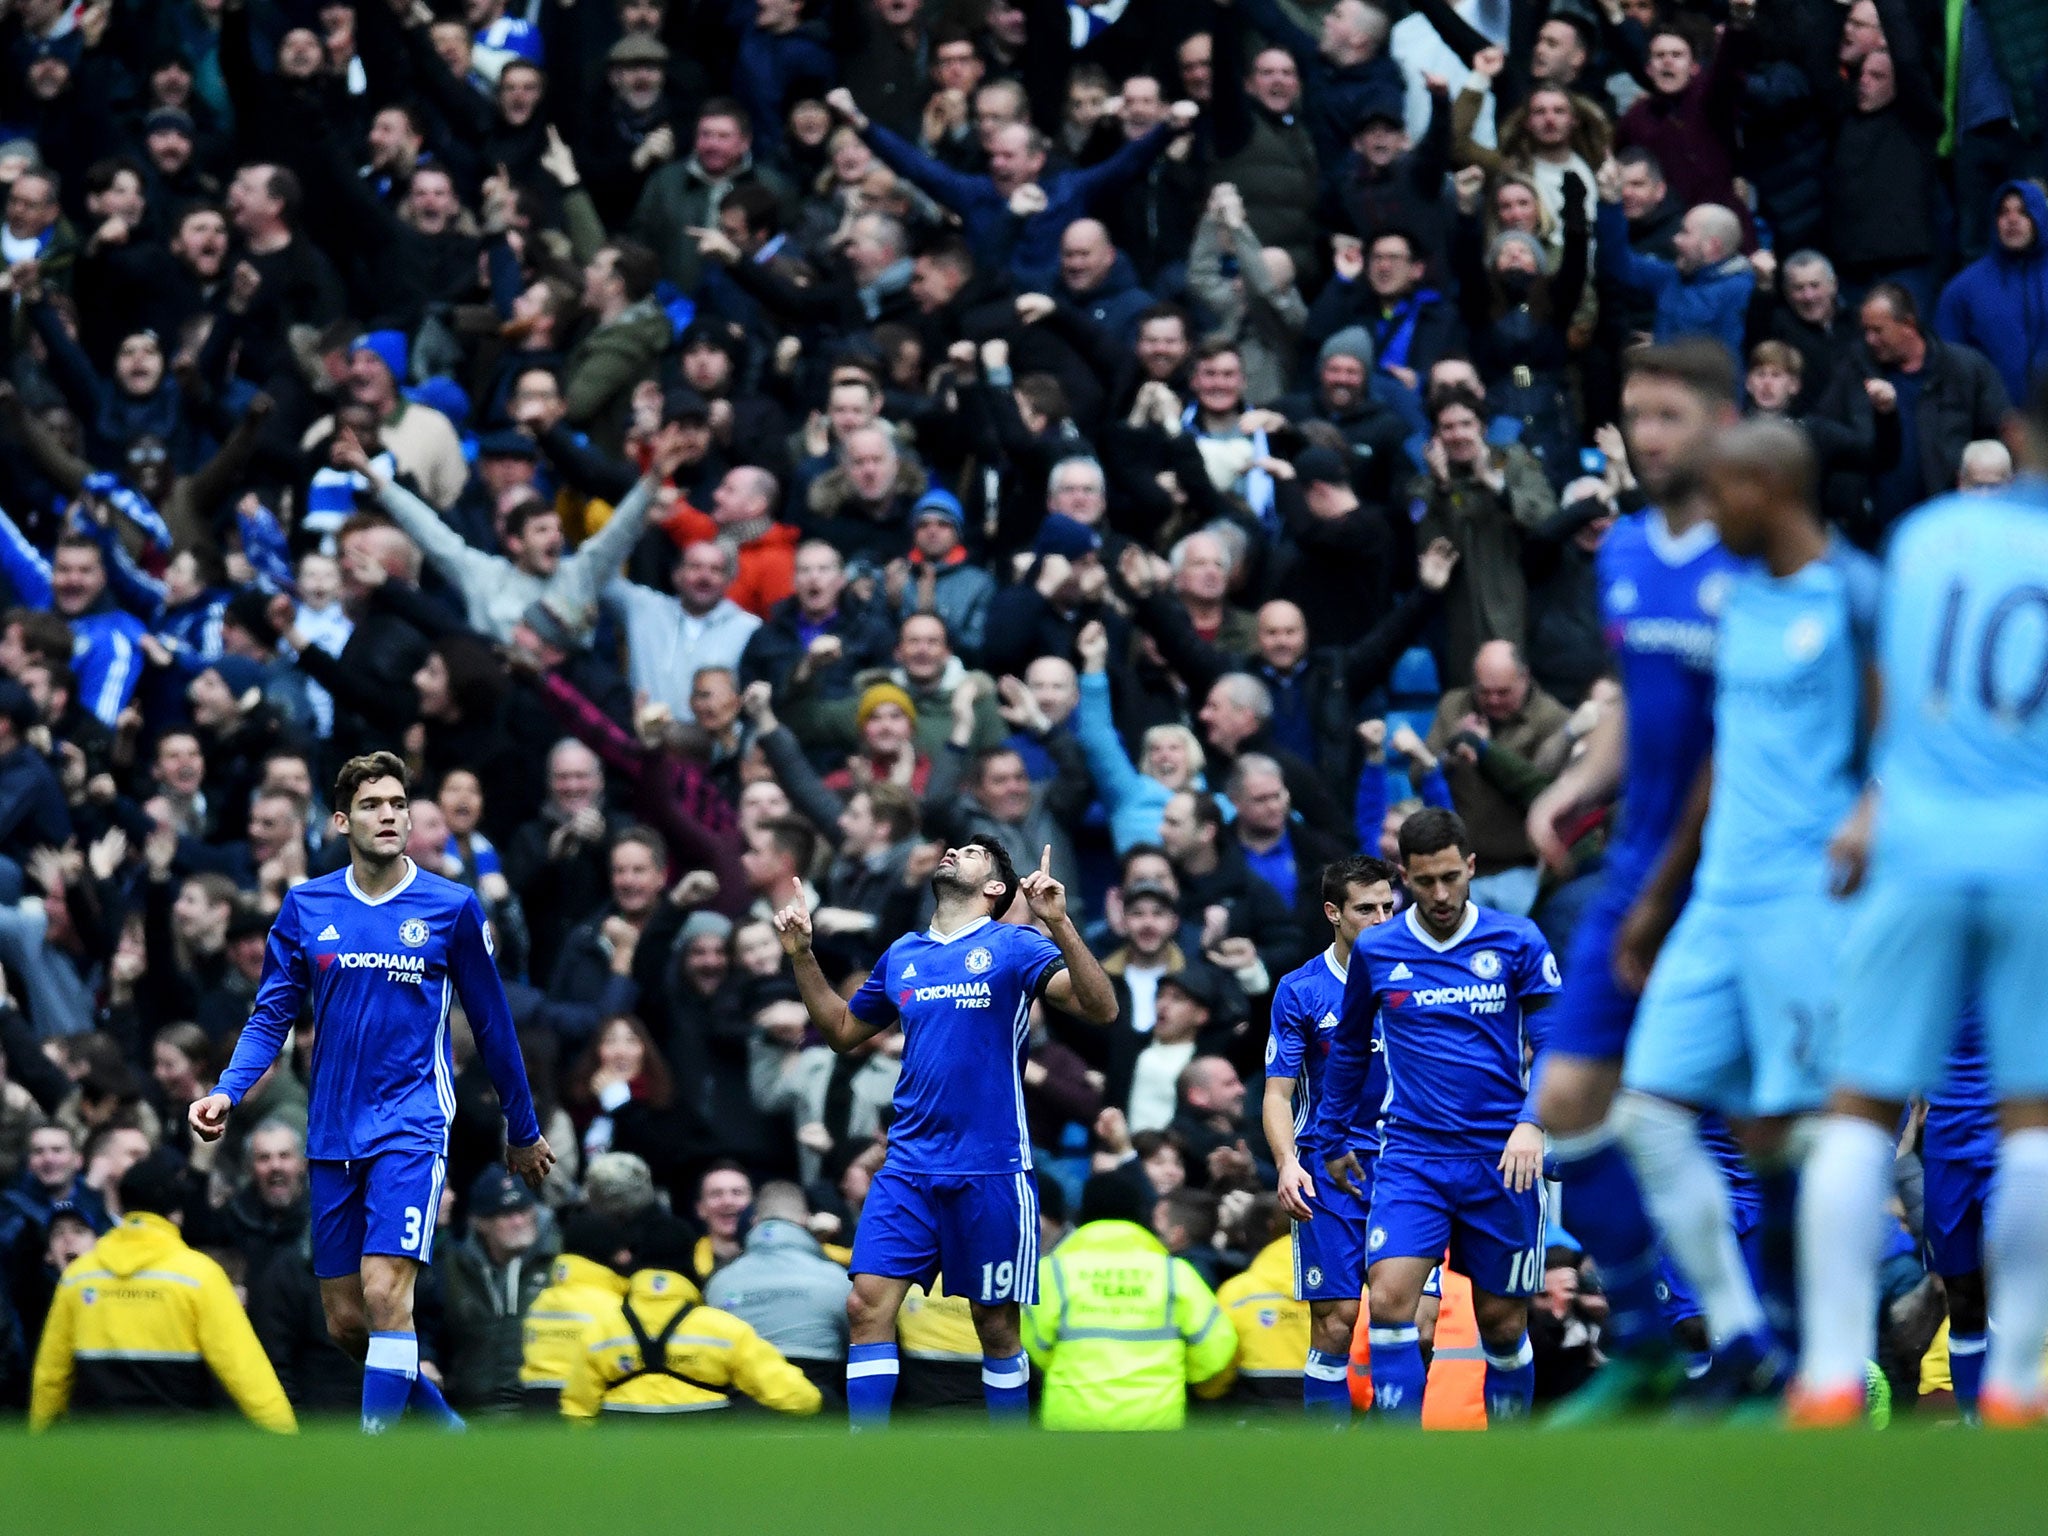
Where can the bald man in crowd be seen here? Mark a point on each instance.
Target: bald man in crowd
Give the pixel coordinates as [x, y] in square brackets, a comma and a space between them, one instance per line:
[1705, 291]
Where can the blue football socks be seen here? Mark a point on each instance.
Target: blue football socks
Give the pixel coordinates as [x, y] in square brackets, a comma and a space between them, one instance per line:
[1326, 1386]
[1006, 1387]
[870, 1384]
[389, 1369]
[1397, 1375]
[1510, 1383]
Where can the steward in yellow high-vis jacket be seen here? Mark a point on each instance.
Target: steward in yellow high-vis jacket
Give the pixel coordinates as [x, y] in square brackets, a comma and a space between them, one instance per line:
[659, 1350]
[1123, 1330]
[1272, 1327]
[142, 1323]
[583, 1286]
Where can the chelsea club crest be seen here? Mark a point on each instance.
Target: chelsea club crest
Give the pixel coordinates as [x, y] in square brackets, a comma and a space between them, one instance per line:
[413, 932]
[1486, 965]
[979, 960]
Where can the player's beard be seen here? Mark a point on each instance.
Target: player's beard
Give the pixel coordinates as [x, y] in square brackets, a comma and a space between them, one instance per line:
[951, 881]
[1676, 488]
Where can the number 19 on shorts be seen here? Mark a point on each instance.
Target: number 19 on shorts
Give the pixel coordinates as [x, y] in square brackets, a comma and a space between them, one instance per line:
[996, 1280]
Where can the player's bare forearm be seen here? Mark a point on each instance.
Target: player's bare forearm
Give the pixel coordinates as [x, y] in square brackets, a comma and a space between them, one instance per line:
[828, 1010]
[1276, 1111]
[1089, 993]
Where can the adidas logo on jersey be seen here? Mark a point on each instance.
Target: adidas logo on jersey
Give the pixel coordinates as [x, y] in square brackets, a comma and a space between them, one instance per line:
[1400, 972]
[909, 971]
[328, 934]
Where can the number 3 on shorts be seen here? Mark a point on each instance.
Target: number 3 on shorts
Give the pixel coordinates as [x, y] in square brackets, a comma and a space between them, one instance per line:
[995, 1280]
[414, 1222]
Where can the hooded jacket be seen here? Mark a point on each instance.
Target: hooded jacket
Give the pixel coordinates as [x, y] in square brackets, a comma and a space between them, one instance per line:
[144, 1324]
[787, 1290]
[1999, 302]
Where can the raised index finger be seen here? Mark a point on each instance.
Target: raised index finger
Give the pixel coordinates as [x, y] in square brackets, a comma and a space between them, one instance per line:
[1045, 860]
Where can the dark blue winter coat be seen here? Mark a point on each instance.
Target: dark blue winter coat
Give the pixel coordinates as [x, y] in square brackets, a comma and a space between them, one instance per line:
[1999, 302]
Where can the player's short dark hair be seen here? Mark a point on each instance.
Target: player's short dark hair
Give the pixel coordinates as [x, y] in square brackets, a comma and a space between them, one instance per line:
[643, 837]
[1339, 875]
[1431, 830]
[1700, 363]
[1216, 346]
[1207, 810]
[358, 771]
[1006, 870]
[153, 1185]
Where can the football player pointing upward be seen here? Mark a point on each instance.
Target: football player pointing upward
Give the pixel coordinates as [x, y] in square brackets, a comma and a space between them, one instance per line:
[955, 1194]
[382, 948]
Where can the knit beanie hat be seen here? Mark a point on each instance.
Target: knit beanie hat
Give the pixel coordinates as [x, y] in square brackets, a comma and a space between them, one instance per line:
[1062, 535]
[1354, 341]
[878, 694]
[1508, 237]
[390, 348]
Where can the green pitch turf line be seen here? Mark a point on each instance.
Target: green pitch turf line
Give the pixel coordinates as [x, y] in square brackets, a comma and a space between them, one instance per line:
[1257, 1480]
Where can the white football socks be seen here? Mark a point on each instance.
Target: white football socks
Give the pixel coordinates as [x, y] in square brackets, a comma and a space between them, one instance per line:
[1842, 1218]
[2016, 1267]
[1688, 1198]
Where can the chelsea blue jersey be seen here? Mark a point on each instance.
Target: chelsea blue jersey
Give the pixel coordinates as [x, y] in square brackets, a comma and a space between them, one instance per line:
[1789, 725]
[1660, 598]
[383, 974]
[964, 1001]
[1306, 1007]
[1451, 1019]
[1963, 650]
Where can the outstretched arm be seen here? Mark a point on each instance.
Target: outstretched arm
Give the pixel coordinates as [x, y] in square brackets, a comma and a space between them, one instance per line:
[835, 1019]
[1082, 989]
[280, 995]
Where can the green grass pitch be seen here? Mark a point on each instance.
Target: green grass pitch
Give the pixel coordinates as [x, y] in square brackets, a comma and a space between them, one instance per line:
[1253, 1480]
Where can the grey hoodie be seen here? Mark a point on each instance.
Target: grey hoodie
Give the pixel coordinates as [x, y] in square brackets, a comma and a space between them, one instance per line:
[786, 1290]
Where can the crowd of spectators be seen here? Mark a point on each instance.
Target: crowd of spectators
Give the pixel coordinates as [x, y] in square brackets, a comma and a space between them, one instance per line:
[723, 446]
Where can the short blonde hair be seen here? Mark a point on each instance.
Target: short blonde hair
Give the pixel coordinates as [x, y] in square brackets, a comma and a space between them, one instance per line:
[1196, 761]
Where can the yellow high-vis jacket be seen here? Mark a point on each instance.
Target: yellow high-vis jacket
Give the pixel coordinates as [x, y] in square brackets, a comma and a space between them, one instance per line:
[580, 1291]
[1122, 1331]
[142, 1323]
[1272, 1327]
[660, 1350]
